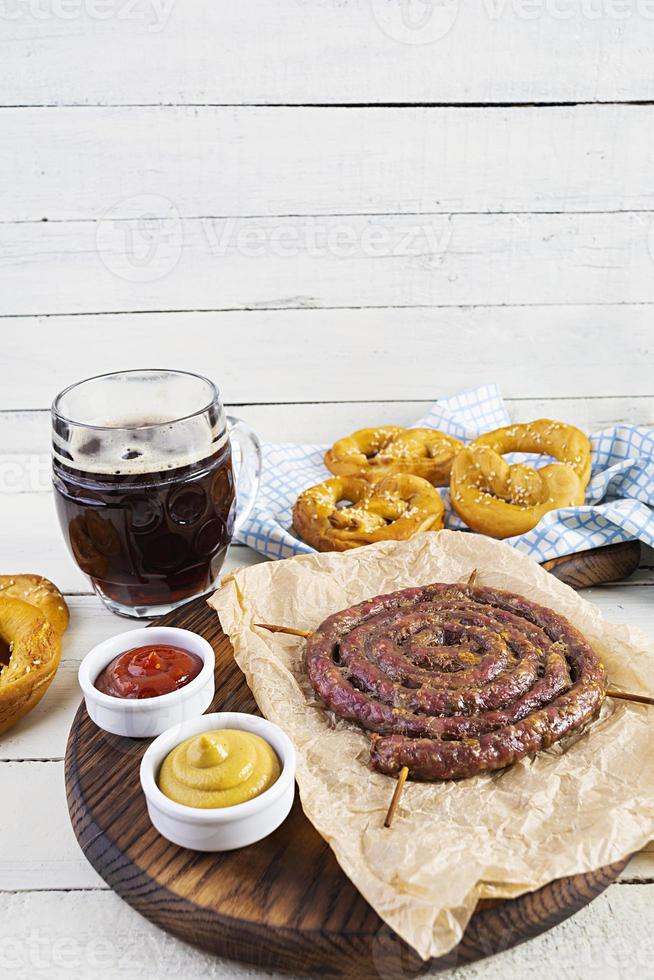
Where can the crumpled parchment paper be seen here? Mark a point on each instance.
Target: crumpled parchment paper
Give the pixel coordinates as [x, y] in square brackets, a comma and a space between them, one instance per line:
[579, 805]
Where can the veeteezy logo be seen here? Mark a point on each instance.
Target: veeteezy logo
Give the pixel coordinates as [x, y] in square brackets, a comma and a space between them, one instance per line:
[426, 21]
[415, 21]
[318, 238]
[140, 239]
[153, 13]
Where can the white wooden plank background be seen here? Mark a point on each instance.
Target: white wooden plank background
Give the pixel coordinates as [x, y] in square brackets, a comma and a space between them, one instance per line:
[391, 261]
[241, 161]
[362, 355]
[319, 51]
[340, 217]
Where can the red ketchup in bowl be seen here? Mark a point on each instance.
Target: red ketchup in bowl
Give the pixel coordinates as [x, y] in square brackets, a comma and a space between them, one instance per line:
[148, 672]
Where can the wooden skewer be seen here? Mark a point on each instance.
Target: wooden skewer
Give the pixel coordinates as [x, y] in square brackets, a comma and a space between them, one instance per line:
[474, 575]
[399, 786]
[624, 696]
[283, 629]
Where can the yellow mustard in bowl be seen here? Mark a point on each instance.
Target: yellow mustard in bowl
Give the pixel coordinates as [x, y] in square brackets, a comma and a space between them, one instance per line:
[218, 769]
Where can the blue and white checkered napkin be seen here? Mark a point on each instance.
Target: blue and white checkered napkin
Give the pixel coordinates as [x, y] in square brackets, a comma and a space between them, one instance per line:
[620, 494]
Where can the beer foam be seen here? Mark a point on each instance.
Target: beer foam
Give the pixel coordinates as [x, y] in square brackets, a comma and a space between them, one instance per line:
[138, 447]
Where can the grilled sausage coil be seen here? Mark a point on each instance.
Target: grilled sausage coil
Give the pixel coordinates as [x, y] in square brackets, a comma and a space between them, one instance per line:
[455, 680]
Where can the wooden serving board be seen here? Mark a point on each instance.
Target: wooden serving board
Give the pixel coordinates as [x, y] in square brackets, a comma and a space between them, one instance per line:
[283, 903]
[611, 563]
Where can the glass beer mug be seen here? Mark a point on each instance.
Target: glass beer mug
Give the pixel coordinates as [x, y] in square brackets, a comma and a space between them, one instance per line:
[144, 485]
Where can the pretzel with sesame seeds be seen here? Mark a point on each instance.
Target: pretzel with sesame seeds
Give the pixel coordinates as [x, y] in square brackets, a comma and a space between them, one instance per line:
[33, 616]
[39, 592]
[394, 509]
[378, 452]
[503, 500]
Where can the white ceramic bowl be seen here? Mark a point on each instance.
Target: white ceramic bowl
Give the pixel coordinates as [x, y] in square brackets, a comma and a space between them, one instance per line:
[147, 717]
[225, 828]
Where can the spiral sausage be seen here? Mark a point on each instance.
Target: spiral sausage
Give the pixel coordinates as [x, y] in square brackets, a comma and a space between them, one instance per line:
[455, 680]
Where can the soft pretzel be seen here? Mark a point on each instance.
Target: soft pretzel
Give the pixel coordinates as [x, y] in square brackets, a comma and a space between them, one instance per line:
[374, 453]
[565, 442]
[501, 500]
[395, 508]
[34, 651]
[38, 592]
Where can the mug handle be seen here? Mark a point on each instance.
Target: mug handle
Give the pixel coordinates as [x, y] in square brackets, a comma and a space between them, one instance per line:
[249, 473]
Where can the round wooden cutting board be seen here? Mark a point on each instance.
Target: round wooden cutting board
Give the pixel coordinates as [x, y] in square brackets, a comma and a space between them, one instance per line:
[283, 903]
